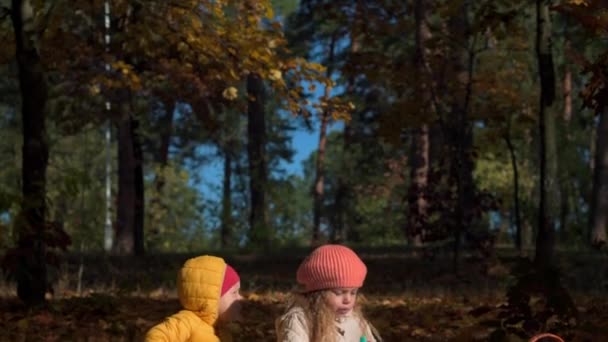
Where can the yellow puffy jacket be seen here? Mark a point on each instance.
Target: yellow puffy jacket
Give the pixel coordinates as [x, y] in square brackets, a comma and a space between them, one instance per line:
[199, 283]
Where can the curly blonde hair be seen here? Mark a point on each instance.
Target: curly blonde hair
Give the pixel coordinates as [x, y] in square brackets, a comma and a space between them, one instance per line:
[320, 317]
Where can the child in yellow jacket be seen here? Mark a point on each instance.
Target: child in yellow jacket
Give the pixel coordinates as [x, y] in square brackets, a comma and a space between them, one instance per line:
[208, 290]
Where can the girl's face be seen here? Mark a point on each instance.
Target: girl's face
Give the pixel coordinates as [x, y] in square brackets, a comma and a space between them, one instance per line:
[342, 300]
[230, 304]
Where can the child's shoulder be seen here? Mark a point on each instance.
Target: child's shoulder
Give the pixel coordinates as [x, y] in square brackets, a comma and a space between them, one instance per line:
[294, 315]
[294, 312]
[186, 317]
[292, 326]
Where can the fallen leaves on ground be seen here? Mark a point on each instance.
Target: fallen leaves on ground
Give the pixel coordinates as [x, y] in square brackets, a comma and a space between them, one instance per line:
[100, 317]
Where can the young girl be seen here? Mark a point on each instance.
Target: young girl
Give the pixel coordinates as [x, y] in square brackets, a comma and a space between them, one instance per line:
[208, 290]
[327, 310]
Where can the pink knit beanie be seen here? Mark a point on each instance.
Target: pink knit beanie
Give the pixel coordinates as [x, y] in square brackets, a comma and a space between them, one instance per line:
[331, 266]
[230, 278]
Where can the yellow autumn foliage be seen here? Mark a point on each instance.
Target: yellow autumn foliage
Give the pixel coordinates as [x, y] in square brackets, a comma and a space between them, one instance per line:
[186, 49]
[230, 93]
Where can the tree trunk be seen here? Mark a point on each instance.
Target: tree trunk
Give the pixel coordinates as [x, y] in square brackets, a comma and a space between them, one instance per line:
[567, 88]
[226, 230]
[461, 130]
[545, 233]
[564, 189]
[32, 277]
[518, 228]
[599, 200]
[162, 160]
[339, 232]
[124, 243]
[139, 205]
[319, 179]
[166, 132]
[343, 193]
[108, 239]
[130, 202]
[420, 150]
[552, 184]
[419, 163]
[320, 167]
[107, 230]
[259, 234]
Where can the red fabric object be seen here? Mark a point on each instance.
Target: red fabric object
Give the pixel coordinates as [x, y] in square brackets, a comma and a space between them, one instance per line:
[230, 278]
[546, 335]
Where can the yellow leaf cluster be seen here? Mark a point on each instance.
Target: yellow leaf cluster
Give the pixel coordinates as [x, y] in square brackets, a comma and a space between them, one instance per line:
[94, 89]
[230, 93]
[275, 75]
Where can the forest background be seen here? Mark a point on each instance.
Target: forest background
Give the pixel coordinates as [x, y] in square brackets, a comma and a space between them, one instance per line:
[460, 146]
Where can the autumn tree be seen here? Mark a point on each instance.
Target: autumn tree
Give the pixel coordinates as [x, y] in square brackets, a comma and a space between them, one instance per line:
[328, 26]
[235, 26]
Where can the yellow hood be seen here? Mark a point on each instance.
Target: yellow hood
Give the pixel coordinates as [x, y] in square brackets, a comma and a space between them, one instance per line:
[199, 283]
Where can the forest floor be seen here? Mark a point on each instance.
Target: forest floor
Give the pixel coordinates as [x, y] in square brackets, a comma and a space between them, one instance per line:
[408, 298]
